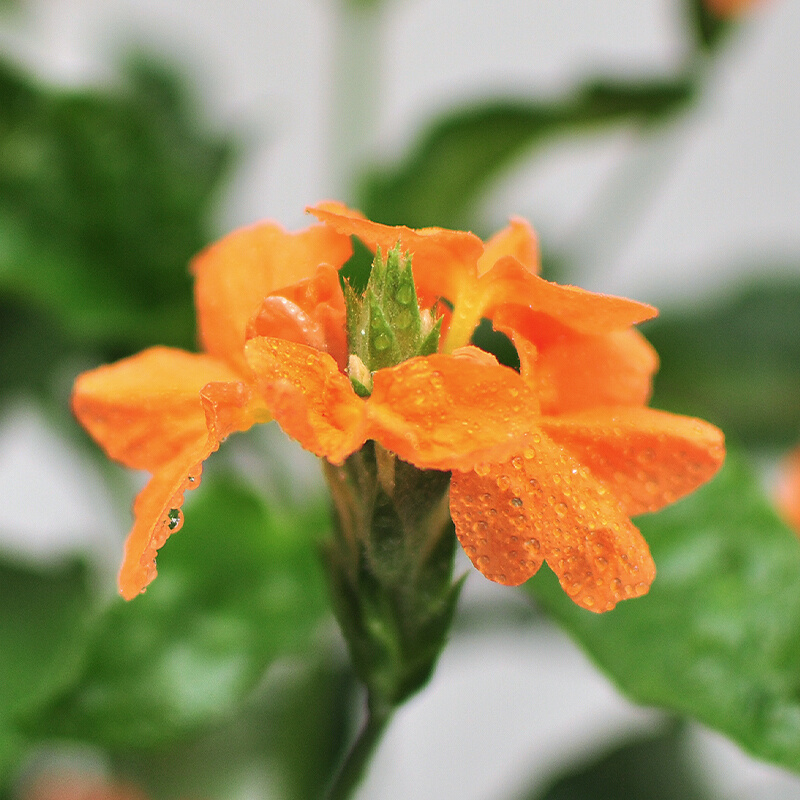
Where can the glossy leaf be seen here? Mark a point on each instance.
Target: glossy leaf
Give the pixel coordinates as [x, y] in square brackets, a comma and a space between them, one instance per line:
[735, 362]
[237, 587]
[439, 180]
[653, 767]
[718, 636]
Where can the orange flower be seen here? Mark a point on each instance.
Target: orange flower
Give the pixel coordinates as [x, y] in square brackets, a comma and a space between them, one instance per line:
[788, 494]
[729, 8]
[74, 786]
[547, 463]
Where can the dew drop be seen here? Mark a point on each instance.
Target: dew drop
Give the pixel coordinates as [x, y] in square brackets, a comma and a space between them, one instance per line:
[405, 294]
[516, 501]
[483, 562]
[561, 509]
[516, 462]
[381, 342]
[173, 518]
[482, 470]
[503, 482]
[403, 319]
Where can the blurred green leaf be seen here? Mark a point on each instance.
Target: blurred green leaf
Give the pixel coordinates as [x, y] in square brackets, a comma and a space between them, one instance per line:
[104, 198]
[439, 181]
[43, 621]
[647, 768]
[718, 636]
[237, 588]
[735, 362]
[285, 742]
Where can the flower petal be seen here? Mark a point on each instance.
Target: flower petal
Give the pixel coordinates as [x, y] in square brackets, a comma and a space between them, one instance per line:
[228, 407]
[440, 257]
[647, 458]
[579, 371]
[310, 399]
[450, 412]
[544, 504]
[517, 240]
[518, 298]
[164, 411]
[234, 275]
[310, 312]
[146, 409]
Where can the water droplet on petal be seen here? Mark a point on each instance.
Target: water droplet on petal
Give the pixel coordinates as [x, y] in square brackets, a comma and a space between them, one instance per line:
[174, 518]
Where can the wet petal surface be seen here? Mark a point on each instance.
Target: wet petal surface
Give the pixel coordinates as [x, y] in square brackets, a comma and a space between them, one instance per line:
[234, 275]
[543, 505]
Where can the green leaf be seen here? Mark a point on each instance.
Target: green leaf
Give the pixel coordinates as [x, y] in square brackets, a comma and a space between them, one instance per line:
[735, 362]
[43, 619]
[104, 198]
[439, 181]
[718, 636]
[286, 742]
[657, 767]
[237, 588]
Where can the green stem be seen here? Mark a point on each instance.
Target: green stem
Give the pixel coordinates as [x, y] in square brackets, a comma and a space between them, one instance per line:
[355, 764]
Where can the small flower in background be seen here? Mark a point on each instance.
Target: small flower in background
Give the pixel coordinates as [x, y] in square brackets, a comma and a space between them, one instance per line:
[788, 492]
[548, 463]
[729, 8]
[75, 786]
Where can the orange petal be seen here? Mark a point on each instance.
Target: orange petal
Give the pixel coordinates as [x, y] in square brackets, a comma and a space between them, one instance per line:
[228, 407]
[579, 371]
[311, 400]
[310, 312]
[440, 257]
[542, 504]
[164, 411]
[146, 408]
[647, 458]
[518, 297]
[449, 412]
[234, 275]
[517, 240]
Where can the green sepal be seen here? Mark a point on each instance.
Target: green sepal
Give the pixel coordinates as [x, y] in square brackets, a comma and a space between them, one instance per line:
[390, 567]
[384, 324]
[430, 344]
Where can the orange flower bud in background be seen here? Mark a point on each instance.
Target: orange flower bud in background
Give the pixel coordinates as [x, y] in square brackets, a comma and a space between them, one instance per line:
[729, 8]
[788, 494]
[75, 786]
